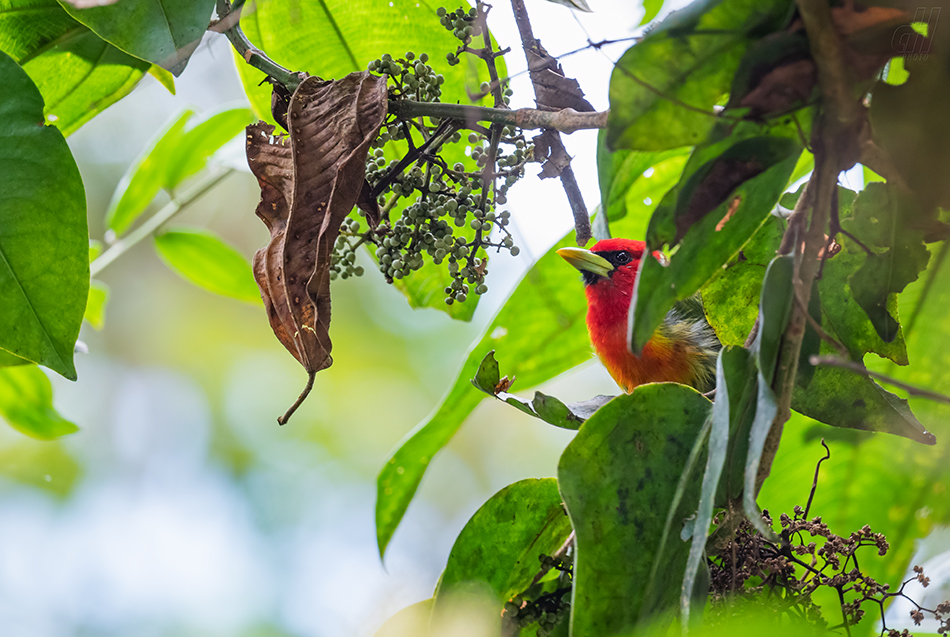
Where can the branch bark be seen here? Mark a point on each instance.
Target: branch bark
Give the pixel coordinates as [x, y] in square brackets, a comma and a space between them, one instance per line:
[837, 135]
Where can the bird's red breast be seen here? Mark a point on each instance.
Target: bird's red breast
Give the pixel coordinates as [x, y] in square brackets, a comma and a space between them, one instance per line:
[680, 351]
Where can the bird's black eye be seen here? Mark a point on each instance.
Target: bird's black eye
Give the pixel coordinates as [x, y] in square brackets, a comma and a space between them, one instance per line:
[622, 258]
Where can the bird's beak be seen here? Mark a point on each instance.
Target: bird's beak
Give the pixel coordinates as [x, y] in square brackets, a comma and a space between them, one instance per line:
[586, 261]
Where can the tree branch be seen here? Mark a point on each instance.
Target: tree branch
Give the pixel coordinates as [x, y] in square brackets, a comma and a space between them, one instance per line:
[839, 127]
[833, 361]
[529, 44]
[566, 120]
[195, 191]
[229, 23]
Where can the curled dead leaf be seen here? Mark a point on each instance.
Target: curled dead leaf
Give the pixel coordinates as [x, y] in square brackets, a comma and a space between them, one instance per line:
[310, 181]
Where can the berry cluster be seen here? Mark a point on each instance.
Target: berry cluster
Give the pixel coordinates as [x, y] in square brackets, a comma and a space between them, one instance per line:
[438, 195]
[463, 24]
[548, 609]
[413, 78]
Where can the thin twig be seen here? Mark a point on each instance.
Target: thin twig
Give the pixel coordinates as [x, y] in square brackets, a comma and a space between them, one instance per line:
[814, 483]
[198, 189]
[833, 361]
[303, 396]
[530, 45]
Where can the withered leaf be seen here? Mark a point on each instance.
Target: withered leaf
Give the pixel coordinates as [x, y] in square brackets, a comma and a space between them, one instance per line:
[310, 181]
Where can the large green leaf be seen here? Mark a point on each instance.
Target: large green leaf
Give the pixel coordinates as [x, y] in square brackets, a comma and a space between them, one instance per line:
[619, 171]
[26, 26]
[618, 478]
[44, 249]
[165, 32]
[664, 88]
[539, 333]
[731, 297]
[26, 403]
[144, 178]
[884, 219]
[731, 412]
[202, 140]
[78, 73]
[709, 243]
[82, 75]
[501, 543]
[335, 37]
[203, 258]
[174, 155]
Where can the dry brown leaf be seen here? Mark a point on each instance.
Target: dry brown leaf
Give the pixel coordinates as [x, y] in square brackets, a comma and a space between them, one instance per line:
[310, 182]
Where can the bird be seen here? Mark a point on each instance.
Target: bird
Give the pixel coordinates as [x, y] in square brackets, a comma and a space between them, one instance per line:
[682, 350]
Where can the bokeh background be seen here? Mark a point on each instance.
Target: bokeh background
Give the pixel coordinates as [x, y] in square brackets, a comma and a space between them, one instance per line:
[180, 507]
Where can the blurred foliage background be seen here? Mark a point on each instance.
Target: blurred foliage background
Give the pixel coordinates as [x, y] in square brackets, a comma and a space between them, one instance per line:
[181, 508]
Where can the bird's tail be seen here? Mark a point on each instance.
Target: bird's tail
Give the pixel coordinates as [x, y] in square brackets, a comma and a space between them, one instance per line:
[686, 325]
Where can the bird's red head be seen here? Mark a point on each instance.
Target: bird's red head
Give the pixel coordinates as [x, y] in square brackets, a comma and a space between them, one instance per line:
[609, 270]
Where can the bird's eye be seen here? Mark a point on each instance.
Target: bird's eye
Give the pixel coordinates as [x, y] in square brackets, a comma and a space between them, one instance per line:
[623, 258]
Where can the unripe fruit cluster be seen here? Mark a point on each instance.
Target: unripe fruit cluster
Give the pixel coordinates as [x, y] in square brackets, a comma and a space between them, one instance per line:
[446, 209]
[412, 76]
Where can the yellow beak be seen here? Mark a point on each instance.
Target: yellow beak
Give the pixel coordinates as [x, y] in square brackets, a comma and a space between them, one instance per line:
[586, 261]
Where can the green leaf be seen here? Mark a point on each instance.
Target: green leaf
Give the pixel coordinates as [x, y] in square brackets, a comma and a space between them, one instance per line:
[775, 308]
[145, 177]
[203, 258]
[78, 73]
[336, 37]
[80, 76]
[8, 360]
[618, 478]
[664, 88]
[95, 313]
[26, 26]
[717, 450]
[765, 411]
[884, 217]
[26, 403]
[501, 543]
[618, 171]
[202, 140]
[912, 128]
[44, 250]
[843, 317]
[173, 156]
[40, 464]
[165, 32]
[547, 408]
[164, 78]
[540, 331]
[843, 398]
[708, 244]
[411, 621]
[731, 297]
[650, 10]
